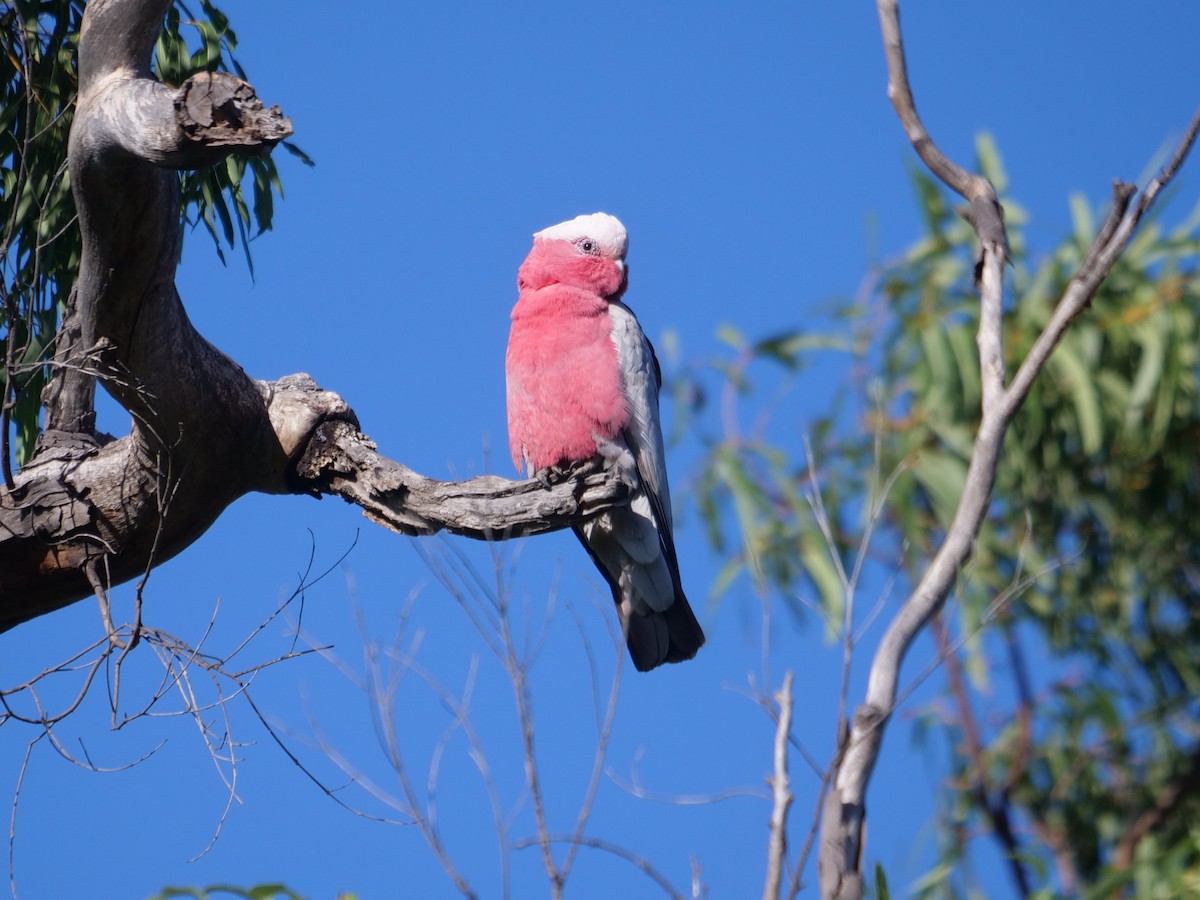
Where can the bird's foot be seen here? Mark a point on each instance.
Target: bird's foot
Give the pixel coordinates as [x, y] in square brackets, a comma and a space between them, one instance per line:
[551, 475]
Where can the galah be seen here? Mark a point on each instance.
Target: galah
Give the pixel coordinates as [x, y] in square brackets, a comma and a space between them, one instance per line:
[583, 380]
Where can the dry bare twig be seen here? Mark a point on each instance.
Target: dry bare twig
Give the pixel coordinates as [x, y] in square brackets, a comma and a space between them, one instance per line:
[634, 787]
[507, 631]
[782, 792]
[630, 857]
[184, 665]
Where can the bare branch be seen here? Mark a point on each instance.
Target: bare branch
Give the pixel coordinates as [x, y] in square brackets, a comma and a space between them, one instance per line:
[518, 674]
[12, 820]
[900, 93]
[108, 504]
[341, 461]
[633, 859]
[777, 845]
[634, 787]
[604, 732]
[983, 211]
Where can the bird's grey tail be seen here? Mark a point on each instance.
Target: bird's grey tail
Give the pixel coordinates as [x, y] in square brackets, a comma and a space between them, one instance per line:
[655, 638]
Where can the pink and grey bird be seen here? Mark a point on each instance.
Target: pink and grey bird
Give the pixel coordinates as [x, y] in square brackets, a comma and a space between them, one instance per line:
[583, 380]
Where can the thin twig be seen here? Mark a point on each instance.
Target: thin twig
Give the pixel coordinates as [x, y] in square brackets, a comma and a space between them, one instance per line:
[518, 675]
[608, 847]
[633, 786]
[781, 788]
[603, 735]
[995, 808]
[12, 821]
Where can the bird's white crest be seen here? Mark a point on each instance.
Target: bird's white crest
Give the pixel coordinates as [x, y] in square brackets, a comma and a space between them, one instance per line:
[605, 230]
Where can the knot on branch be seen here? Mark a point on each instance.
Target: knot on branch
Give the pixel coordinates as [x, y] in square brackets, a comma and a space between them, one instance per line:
[221, 110]
[868, 717]
[296, 406]
[985, 214]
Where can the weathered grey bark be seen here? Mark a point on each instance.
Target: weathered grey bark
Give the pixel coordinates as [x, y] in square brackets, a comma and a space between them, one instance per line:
[204, 433]
[339, 460]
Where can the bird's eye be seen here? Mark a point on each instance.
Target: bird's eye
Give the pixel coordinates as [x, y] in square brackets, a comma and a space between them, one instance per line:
[587, 245]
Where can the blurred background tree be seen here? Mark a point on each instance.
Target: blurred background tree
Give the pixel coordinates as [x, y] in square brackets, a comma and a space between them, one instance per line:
[1084, 765]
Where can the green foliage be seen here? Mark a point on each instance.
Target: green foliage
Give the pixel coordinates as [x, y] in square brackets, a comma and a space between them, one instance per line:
[39, 244]
[216, 197]
[1095, 499]
[223, 891]
[1091, 549]
[881, 885]
[757, 479]
[39, 240]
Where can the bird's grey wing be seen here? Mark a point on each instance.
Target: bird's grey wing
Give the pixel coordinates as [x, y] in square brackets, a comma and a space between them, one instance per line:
[642, 378]
[633, 545]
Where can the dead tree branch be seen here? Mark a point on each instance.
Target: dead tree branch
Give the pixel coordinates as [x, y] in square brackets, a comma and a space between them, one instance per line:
[339, 460]
[845, 813]
[638, 862]
[204, 432]
[781, 788]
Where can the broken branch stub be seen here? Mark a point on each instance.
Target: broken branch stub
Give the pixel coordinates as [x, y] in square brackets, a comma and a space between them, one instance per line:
[221, 110]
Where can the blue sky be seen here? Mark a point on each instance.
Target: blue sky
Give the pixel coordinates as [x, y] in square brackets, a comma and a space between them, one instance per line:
[754, 158]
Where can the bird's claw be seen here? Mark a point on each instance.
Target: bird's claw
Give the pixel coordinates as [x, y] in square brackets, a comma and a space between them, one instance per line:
[550, 475]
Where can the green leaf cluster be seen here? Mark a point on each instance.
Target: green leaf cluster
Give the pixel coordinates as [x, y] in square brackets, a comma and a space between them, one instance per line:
[39, 239]
[216, 197]
[225, 891]
[39, 242]
[1092, 516]
[754, 494]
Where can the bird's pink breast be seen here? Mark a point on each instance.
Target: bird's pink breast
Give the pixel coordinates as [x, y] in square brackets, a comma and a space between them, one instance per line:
[564, 379]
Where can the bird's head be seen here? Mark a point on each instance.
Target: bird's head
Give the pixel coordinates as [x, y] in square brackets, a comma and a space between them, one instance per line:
[586, 252]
